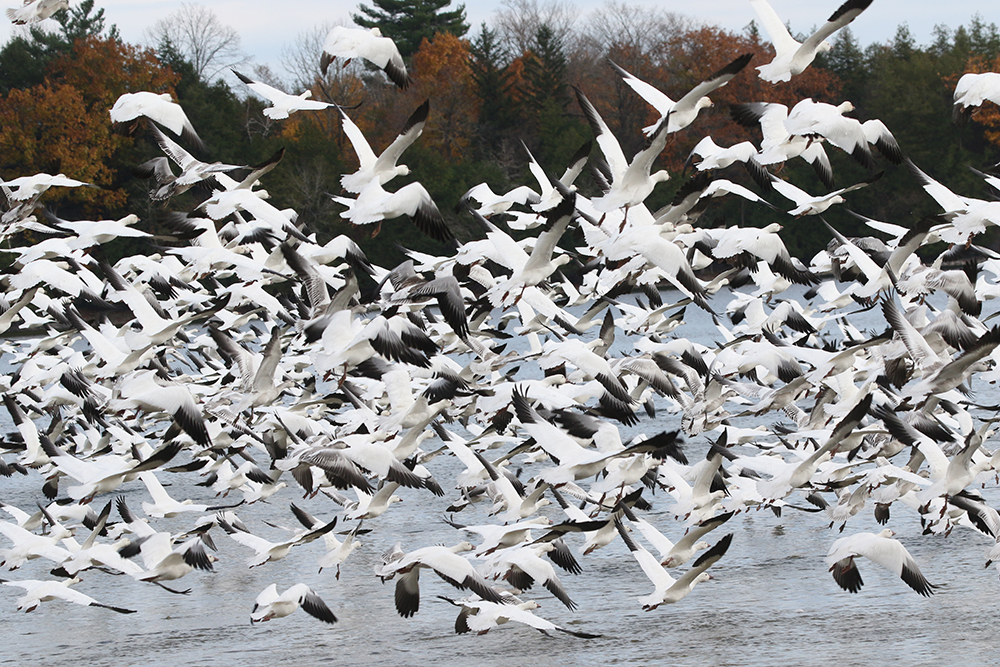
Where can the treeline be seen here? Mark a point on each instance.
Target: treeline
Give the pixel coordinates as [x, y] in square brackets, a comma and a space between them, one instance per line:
[490, 90]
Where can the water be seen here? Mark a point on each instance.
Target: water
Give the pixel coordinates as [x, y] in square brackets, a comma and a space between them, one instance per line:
[772, 601]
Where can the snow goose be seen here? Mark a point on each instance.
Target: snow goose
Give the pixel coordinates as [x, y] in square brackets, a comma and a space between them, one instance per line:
[965, 216]
[30, 187]
[37, 592]
[270, 604]
[282, 104]
[791, 57]
[336, 551]
[944, 377]
[664, 255]
[268, 552]
[762, 244]
[89, 233]
[676, 554]
[375, 204]
[34, 11]
[349, 43]
[193, 171]
[670, 590]
[880, 549]
[807, 204]
[142, 390]
[684, 111]
[382, 168]
[529, 270]
[163, 505]
[798, 474]
[778, 144]
[28, 546]
[445, 562]
[160, 108]
[163, 561]
[971, 91]
[105, 473]
[93, 553]
[714, 156]
[523, 566]
[595, 539]
[693, 197]
[491, 203]
[810, 119]
[502, 537]
[481, 616]
[549, 192]
[631, 182]
[256, 374]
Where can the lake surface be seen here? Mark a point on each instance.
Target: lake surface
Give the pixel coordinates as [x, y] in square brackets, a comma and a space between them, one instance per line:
[772, 601]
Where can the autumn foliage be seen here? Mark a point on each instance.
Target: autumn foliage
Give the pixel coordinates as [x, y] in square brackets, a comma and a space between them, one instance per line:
[62, 125]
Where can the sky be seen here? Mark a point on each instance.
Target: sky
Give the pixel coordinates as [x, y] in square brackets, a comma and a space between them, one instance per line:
[266, 26]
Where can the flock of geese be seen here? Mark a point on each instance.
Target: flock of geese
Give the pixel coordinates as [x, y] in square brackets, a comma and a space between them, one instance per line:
[240, 356]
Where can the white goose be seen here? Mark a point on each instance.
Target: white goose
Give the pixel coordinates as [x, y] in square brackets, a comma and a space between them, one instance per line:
[670, 590]
[792, 58]
[445, 561]
[684, 111]
[270, 604]
[382, 168]
[34, 11]
[37, 592]
[282, 104]
[880, 549]
[347, 43]
[160, 108]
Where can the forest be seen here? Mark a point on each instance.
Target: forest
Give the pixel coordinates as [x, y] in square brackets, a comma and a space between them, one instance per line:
[493, 87]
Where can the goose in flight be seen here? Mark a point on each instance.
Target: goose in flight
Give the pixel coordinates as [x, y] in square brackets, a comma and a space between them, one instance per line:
[273, 551]
[807, 204]
[348, 43]
[631, 182]
[34, 11]
[26, 188]
[778, 144]
[791, 57]
[971, 91]
[880, 549]
[445, 561]
[481, 616]
[382, 168]
[375, 204]
[160, 108]
[810, 119]
[193, 171]
[163, 561]
[282, 104]
[271, 605]
[684, 111]
[670, 590]
[37, 592]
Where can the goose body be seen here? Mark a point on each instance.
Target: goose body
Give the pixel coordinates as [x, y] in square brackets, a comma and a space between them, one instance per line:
[270, 604]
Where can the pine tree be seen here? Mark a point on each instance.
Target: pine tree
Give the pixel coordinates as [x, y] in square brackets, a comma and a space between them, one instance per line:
[547, 98]
[491, 75]
[408, 22]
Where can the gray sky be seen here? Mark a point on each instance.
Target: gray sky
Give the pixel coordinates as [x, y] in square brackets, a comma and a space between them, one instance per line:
[265, 26]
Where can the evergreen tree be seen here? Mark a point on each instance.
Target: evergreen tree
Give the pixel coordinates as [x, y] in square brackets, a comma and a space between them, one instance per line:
[847, 60]
[493, 82]
[408, 22]
[547, 98]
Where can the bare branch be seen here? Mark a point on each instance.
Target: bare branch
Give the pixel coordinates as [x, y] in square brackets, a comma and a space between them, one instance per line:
[198, 35]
